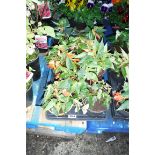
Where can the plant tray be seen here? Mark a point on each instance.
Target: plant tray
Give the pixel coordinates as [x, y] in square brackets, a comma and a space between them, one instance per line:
[47, 76]
[119, 114]
[115, 114]
[71, 115]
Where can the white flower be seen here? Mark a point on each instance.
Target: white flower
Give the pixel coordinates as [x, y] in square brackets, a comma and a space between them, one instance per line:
[62, 1]
[105, 5]
[30, 50]
[90, 1]
[100, 2]
[110, 5]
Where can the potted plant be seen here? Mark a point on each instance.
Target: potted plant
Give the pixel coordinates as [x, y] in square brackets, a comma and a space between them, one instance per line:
[29, 91]
[119, 16]
[121, 40]
[79, 17]
[32, 54]
[32, 61]
[121, 100]
[58, 98]
[70, 92]
[78, 85]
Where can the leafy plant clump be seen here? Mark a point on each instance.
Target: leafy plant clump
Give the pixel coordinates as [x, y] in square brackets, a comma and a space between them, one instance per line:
[81, 15]
[76, 82]
[120, 15]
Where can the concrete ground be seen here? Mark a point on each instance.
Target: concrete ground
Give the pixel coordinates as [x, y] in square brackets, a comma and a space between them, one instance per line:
[79, 145]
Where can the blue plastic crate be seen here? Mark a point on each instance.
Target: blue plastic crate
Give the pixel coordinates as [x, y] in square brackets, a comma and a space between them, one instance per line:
[92, 126]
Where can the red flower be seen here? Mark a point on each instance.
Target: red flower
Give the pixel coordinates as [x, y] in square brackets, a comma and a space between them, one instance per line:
[120, 10]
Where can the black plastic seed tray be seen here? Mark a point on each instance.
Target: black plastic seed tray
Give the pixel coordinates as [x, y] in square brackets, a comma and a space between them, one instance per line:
[47, 76]
[71, 115]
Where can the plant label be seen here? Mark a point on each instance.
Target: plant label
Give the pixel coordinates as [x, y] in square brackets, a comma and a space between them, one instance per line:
[41, 42]
[71, 116]
[44, 11]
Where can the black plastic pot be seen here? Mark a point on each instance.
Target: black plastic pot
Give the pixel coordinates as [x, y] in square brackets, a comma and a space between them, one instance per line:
[92, 113]
[97, 110]
[35, 65]
[116, 82]
[53, 24]
[46, 21]
[72, 115]
[29, 97]
[43, 51]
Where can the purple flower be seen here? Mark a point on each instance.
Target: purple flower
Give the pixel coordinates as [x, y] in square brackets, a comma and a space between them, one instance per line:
[104, 8]
[90, 4]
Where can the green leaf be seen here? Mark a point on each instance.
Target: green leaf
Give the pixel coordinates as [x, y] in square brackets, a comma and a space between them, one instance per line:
[123, 72]
[46, 30]
[62, 98]
[124, 106]
[48, 93]
[125, 55]
[105, 48]
[91, 76]
[69, 63]
[74, 86]
[49, 31]
[81, 55]
[40, 31]
[65, 84]
[99, 94]
[96, 45]
[83, 46]
[50, 104]
[86, 60]
[81, 73]
[68, 106]
[100, 49]
[54, 111]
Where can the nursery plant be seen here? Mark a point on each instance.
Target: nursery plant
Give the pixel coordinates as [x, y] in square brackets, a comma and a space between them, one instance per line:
[79, 81]
[119, 16]
[62, 95]
[80, 16]
[122, 98]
